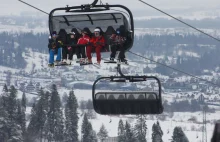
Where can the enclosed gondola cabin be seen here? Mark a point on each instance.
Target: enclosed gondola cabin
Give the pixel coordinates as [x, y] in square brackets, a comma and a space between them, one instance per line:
[79, 17]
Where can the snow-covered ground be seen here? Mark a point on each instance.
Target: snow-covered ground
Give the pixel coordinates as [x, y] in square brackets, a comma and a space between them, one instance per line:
[174, 31]
[18, 29]
[193, 130]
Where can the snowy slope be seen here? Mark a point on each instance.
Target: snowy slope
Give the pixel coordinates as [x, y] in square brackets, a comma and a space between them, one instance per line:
[178, 119]
[17, 29]
[191, 129]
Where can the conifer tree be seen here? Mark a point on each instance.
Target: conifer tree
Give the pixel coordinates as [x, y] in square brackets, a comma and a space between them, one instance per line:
[23, 101]
[103, 133]
[88, 134]
[46, 97]
[55, 122]
[179, 136]
[157, 133]
[141, 129]
[15, 133]
[21, 118]
[32, 131]
[11, 104]
[121, 131]
[71, 133]
[14, 129]
[37, 120]
[3, 122]
[129, 133]
[85, 129]
[92, 137]
[5, 88]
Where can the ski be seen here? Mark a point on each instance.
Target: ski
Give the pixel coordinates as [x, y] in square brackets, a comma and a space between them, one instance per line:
[84, 64]
[110, 62]
[95, 65]
[114, 62]
[63, 64]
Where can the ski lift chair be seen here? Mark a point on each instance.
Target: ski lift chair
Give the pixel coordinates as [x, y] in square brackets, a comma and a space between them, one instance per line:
[127, 102]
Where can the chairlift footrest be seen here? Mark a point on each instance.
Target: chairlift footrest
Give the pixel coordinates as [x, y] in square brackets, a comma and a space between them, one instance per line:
[111, 62]
[84, 64]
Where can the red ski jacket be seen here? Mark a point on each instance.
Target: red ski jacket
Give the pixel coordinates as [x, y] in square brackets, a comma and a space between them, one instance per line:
[98, 41]
[84, 40]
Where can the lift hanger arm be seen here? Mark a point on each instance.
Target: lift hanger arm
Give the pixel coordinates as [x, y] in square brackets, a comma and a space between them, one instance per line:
[94, 3]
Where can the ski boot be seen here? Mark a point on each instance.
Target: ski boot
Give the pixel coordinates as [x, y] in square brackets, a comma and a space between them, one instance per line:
[51, 65]
[57, 62]
[112, 59]
[124, 61]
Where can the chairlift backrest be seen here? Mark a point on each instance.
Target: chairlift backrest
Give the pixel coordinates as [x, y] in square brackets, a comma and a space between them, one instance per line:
[88, 31]
[110, 30]
[62, 36]
[77, 34]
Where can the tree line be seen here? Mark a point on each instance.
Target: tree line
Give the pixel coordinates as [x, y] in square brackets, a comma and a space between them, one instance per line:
[49, 122]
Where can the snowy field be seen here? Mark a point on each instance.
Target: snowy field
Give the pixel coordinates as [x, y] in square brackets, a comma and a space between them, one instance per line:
[192, 130]
[18, 29]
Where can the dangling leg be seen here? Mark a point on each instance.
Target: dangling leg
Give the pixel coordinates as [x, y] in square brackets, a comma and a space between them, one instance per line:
[88, 52]
[98, 54]
[122, 55]
[59, 54]
[71, 52]
[64, 54]
[51, 57]
[78, 53]
[113, 53]
[83, 54]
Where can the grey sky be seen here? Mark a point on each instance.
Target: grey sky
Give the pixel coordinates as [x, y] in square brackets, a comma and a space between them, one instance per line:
[15, 7]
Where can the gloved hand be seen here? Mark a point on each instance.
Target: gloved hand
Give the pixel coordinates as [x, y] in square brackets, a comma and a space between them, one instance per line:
[54, 45]
[69, 48]
[61, 43]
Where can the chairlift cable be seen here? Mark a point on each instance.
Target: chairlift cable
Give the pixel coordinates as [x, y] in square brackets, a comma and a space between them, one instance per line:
[175, 69]
[43, 12]
[180, 20]
[33, 7]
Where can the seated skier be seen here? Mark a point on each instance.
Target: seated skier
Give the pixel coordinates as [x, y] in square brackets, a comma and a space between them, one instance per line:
[117, 42]
[54, 47]
[83, 43]
[97, 42]
[71, 45]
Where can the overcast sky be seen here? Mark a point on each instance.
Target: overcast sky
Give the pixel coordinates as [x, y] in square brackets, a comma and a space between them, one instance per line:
[15, 7]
